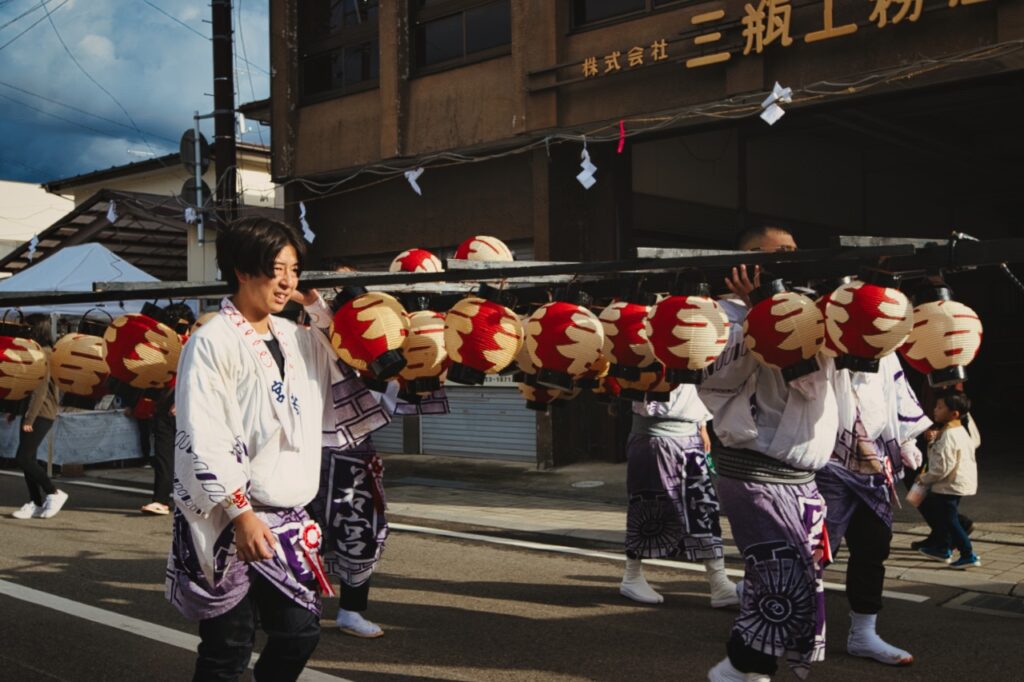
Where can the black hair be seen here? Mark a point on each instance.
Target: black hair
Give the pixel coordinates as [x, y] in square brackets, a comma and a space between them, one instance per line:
[957, 401]
[750, 234]
[250, 245]
[40, 329]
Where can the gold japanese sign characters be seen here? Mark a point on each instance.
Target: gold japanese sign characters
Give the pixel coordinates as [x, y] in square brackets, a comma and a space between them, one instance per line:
[764, 23]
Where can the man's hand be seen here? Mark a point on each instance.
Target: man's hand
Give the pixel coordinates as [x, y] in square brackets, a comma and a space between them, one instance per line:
[741, 285]
[27, 428]
[173, 411]
[253, 538]
[705, 438]
[305, 298]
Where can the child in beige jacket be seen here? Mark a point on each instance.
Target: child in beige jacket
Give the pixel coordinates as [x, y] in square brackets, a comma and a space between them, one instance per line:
[952, 473]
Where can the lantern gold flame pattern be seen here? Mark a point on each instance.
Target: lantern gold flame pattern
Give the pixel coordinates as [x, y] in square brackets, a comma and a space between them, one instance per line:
[424, 352]
[785, 332]
[866, 322]
[945, 339]
[416, 260]
[592, 378]
[564, 341]
[203, 319]
[625, 338]
[142, 352]
[481, 337]
[22, 367]
[538, 397]
[79, 364]
[484, 248]
[687, 333]
[368, 332]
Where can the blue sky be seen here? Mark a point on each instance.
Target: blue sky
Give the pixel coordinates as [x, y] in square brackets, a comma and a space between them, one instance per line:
[154, 66]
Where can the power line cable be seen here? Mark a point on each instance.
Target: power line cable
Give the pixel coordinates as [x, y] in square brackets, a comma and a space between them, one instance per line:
[20, 16]
[198, 33]
[34, 23]
[245, 58]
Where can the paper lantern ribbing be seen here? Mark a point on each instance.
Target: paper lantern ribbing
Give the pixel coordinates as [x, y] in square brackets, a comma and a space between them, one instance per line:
[592, 378]
[484, 248]
[625, 338]
[629, 389]
[424, 352]
[482, 337]
[538, 397]
[141, 352]
[416, 260]
[368, 332]
[22, 367]
[564, 341]
[785, 332]
[865, 322]
[79, 364]
[660, 391]
[687, 333]
[945, 339]
[203, 319]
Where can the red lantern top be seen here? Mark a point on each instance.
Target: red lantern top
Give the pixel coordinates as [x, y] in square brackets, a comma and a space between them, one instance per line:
[867, 321]
[481, 335]
[23, 367]
[564, 337]
[142, 352]
[946, 336]
[784, 332]
[368, 332]
[484, 248]
[687, 333]
[416, 260]
[625, 334]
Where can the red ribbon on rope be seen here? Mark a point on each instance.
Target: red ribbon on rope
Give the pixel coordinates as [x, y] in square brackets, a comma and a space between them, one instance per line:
[622, 136]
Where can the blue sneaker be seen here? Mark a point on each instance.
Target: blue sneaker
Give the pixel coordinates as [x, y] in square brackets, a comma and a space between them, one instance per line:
[965, 562]
[943, 555]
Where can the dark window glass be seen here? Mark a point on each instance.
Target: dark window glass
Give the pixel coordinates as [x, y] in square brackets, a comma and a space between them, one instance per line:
[361, 63]
[588, 11]
[358, 12]
[439, 40]
[340, 69]
[488, 26]
[338, 45]
[318, 74]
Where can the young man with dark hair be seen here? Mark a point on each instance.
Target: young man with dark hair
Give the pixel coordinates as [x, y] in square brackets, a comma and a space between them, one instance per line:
[254, 404]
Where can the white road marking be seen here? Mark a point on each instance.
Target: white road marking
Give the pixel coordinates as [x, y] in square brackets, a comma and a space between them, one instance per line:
[134, 626]
[524, 544]
[595, 554]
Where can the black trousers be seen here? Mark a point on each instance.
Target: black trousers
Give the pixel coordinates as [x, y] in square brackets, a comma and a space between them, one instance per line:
[748, 660]
[227, 640]
[354, 598]
[867, 540]
[165, 429]
[39, 484]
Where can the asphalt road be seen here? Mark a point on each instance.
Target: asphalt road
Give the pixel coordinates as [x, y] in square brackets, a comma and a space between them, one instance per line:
[452, 610]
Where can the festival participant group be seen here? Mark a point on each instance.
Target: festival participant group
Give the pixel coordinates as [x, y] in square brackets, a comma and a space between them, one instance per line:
[277, 487]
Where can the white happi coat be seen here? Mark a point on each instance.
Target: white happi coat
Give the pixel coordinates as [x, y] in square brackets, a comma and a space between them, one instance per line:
[241, 427]
[683, 405]
[887, 408]
[754, 408]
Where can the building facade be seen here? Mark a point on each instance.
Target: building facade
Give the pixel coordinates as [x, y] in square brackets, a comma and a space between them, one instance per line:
[901, 124]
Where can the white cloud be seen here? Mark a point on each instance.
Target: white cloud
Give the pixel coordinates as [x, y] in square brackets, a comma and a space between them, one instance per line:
[97, 48]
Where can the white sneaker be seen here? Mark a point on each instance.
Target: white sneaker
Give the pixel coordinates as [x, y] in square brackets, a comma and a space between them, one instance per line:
[353, 623]
[726, 672]
[53, 504]
[28, 510]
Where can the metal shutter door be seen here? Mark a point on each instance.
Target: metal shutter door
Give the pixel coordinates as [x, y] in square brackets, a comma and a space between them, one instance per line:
[389, 439]
[485, 421]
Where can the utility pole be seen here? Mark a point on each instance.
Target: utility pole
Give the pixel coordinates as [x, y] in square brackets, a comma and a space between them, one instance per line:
[224, 153]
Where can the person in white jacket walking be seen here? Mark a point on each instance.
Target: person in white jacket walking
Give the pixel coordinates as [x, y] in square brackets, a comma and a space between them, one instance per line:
[952, 473]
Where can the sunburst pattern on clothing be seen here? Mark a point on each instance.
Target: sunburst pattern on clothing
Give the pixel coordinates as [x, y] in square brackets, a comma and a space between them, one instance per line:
[653, 525]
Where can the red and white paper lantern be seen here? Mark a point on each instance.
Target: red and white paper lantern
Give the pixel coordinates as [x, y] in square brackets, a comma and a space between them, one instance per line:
[865, 322]
[564, 341]
[424, 352]
[368, 332]
[22, 367]
[141, 352]
[79, 365]
[538, 397]
[785, 331]
[482, 337]
[945, 339]
[416, 260]
[203, 319]
[625, 338]
[687, 333]
[484, 248]
[592, 378]
[637, 389]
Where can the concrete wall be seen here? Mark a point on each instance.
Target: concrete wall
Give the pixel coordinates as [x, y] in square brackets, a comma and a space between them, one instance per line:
[27, 209]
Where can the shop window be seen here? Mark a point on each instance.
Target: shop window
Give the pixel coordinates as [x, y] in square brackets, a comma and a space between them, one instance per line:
[339, 51]
[453, 32]
[586, 12]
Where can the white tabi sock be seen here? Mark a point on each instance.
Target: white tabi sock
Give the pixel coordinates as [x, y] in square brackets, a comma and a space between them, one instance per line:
[723, 590]
[865, 642]
[353, 623]
[635, 586]
[725, 671]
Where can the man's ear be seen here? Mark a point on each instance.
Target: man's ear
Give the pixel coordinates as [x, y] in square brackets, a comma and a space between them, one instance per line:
[242, 277]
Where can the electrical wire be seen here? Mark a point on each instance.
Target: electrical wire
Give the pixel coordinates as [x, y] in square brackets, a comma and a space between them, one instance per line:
[252, 88]
[34, 23]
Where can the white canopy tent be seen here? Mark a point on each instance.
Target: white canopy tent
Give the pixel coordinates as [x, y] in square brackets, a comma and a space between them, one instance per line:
[75, 268]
